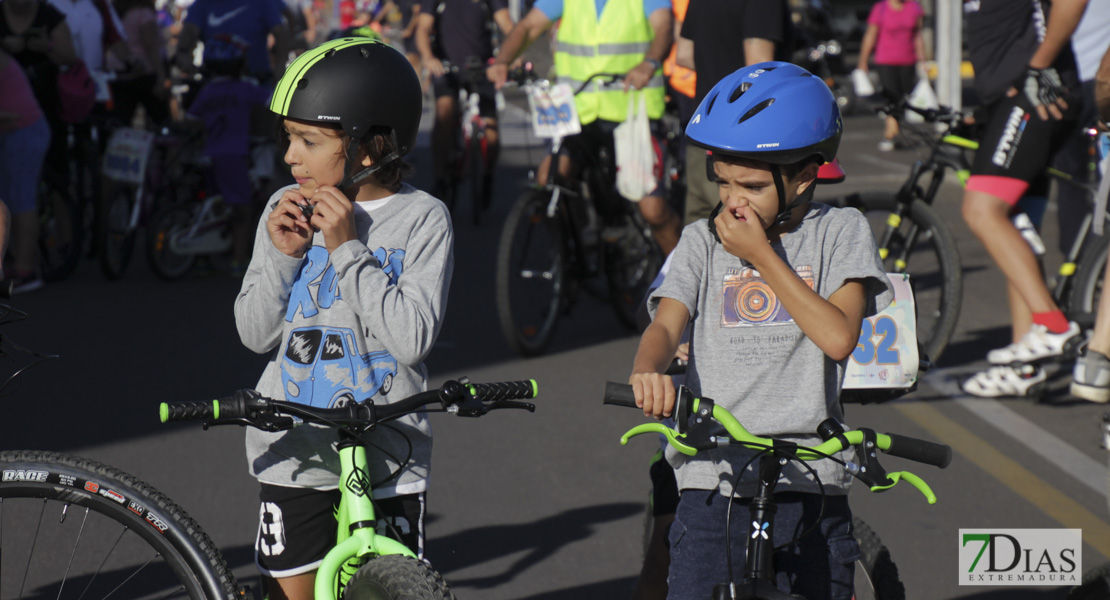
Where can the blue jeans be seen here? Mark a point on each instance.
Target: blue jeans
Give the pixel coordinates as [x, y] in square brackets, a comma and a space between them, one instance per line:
[21, 155]
[818, 567]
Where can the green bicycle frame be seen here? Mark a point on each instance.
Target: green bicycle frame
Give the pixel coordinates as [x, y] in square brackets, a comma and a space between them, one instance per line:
[356, 536]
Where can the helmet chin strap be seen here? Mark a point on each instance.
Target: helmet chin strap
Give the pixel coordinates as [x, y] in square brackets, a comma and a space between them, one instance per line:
[350, 180]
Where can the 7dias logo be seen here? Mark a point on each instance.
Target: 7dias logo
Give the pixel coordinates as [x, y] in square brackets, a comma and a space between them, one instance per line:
[1021, 556]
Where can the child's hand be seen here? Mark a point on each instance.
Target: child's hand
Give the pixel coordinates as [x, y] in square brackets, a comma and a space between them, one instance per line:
[742, 233]
[334, 215]
[654, 393]
[683, 352]
[287, 225]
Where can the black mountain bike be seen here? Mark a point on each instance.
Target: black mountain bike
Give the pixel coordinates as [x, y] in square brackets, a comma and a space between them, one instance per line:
[701, 424]
[560, 234]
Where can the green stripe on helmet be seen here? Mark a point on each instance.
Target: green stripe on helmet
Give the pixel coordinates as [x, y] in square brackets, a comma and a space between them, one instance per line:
[283, 92]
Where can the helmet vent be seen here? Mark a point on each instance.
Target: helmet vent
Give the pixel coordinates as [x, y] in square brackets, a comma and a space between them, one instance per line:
[739, 91]
[302, 83]
[365, 53]
[709, 107]
[756, 110]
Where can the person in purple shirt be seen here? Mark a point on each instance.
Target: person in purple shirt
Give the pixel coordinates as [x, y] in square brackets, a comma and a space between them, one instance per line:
[251, 20]
[224, 105]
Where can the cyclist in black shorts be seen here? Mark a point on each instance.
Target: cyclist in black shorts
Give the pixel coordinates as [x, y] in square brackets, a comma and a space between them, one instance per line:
[463, 31]
[1025, 75]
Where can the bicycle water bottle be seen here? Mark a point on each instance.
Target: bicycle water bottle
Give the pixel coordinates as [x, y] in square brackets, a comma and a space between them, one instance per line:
[1025, 227]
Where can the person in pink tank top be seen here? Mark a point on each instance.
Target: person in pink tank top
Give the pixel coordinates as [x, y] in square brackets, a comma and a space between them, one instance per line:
[24, 139]
[894, 35]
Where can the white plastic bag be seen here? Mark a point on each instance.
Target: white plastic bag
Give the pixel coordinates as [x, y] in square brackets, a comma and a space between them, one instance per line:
[861, 83]
[635, 152]
[922, 97]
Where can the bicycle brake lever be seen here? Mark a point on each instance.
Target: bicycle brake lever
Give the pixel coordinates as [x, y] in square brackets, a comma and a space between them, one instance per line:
[670, 434]
[528, 406]
[914, 480]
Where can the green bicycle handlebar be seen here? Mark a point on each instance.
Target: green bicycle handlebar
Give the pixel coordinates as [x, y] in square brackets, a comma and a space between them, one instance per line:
[923, 451]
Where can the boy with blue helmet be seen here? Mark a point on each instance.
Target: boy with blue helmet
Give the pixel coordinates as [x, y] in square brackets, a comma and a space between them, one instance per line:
[775, 289]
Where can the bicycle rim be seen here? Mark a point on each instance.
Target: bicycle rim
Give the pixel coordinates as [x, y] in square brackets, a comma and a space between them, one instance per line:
[531, 275]
[932, 261]
[60, 233]
[632, 260]
[117, 240]
[167, 262]
[71, 527]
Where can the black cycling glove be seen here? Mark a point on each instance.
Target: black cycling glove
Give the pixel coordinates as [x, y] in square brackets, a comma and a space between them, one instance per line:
[1041, 86]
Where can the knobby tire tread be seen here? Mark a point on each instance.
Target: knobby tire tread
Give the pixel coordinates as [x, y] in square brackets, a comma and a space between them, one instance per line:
[876, 561]
[183, 533]
[397, 577]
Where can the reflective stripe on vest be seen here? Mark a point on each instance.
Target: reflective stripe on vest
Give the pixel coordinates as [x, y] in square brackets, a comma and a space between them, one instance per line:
[615, 43]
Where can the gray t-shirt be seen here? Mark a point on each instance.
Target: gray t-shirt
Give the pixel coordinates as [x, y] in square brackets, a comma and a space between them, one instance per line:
[749, 356]
[351, 325]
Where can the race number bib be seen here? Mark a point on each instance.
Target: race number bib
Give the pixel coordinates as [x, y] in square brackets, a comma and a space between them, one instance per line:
[126, 155]
[886, 355]
[553, 111]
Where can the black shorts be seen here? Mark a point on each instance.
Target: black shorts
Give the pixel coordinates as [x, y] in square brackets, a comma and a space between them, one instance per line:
[296, 527]
[1017, 146]
[897, 81]
[449, 85]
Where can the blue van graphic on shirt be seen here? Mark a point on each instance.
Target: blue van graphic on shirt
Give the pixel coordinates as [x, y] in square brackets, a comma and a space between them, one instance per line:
[322, 367]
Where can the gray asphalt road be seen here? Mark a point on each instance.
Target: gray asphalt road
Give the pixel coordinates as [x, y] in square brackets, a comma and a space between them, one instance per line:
[546, 505]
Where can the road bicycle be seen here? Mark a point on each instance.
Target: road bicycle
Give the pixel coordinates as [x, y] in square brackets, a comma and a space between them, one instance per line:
[914, 239]
[469, 157]
[145, 169]
[701, 424]
[561, 234]
[75, 525]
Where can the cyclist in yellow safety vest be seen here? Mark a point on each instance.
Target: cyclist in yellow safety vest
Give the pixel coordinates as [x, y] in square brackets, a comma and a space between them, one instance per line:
[603, 36]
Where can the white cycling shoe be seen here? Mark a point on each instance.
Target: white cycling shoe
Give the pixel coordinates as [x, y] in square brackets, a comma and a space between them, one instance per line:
[1091, 377]
[1038, 345]
[1026, 380]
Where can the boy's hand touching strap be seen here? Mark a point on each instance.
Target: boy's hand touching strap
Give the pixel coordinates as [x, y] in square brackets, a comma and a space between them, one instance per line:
[654, 393]
[334, 215]
[288, 226]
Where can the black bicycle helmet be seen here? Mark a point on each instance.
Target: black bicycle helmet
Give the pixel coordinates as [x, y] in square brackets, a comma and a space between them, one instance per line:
[357, 83]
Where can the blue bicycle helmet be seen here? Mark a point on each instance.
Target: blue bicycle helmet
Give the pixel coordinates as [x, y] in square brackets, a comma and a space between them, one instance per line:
[774, 112]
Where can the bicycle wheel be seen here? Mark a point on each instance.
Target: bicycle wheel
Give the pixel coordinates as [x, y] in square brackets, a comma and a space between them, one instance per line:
[72, 524]
[117, 238]
[1095, 586]
[165, 260]
[932, 261]
[531, 274]
[476, 165]
[397, 577]
[60, 232]
[876, 574]
[632, 260]
[1087, 286]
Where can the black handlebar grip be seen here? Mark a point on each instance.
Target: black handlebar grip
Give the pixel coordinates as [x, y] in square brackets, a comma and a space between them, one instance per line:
[939, 455]
[505, 390]
[188, 411]
[620, 394]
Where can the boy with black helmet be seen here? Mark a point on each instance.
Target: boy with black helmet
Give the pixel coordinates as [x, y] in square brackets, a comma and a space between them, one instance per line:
[775, 289]
[346, 290]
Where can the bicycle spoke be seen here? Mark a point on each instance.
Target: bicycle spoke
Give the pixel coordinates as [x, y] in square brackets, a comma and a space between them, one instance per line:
[31, 554]
[80, 532]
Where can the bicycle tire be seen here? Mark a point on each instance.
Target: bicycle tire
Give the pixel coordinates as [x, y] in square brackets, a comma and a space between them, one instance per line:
[935, 271]
[166, 262]
[1095, 586]
[1086, 288]
[117, 238]
[122, 515]
[397, 577]
[527, 324]
[632, 260]
[876, 574]
[476, 157]
[61, 232]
